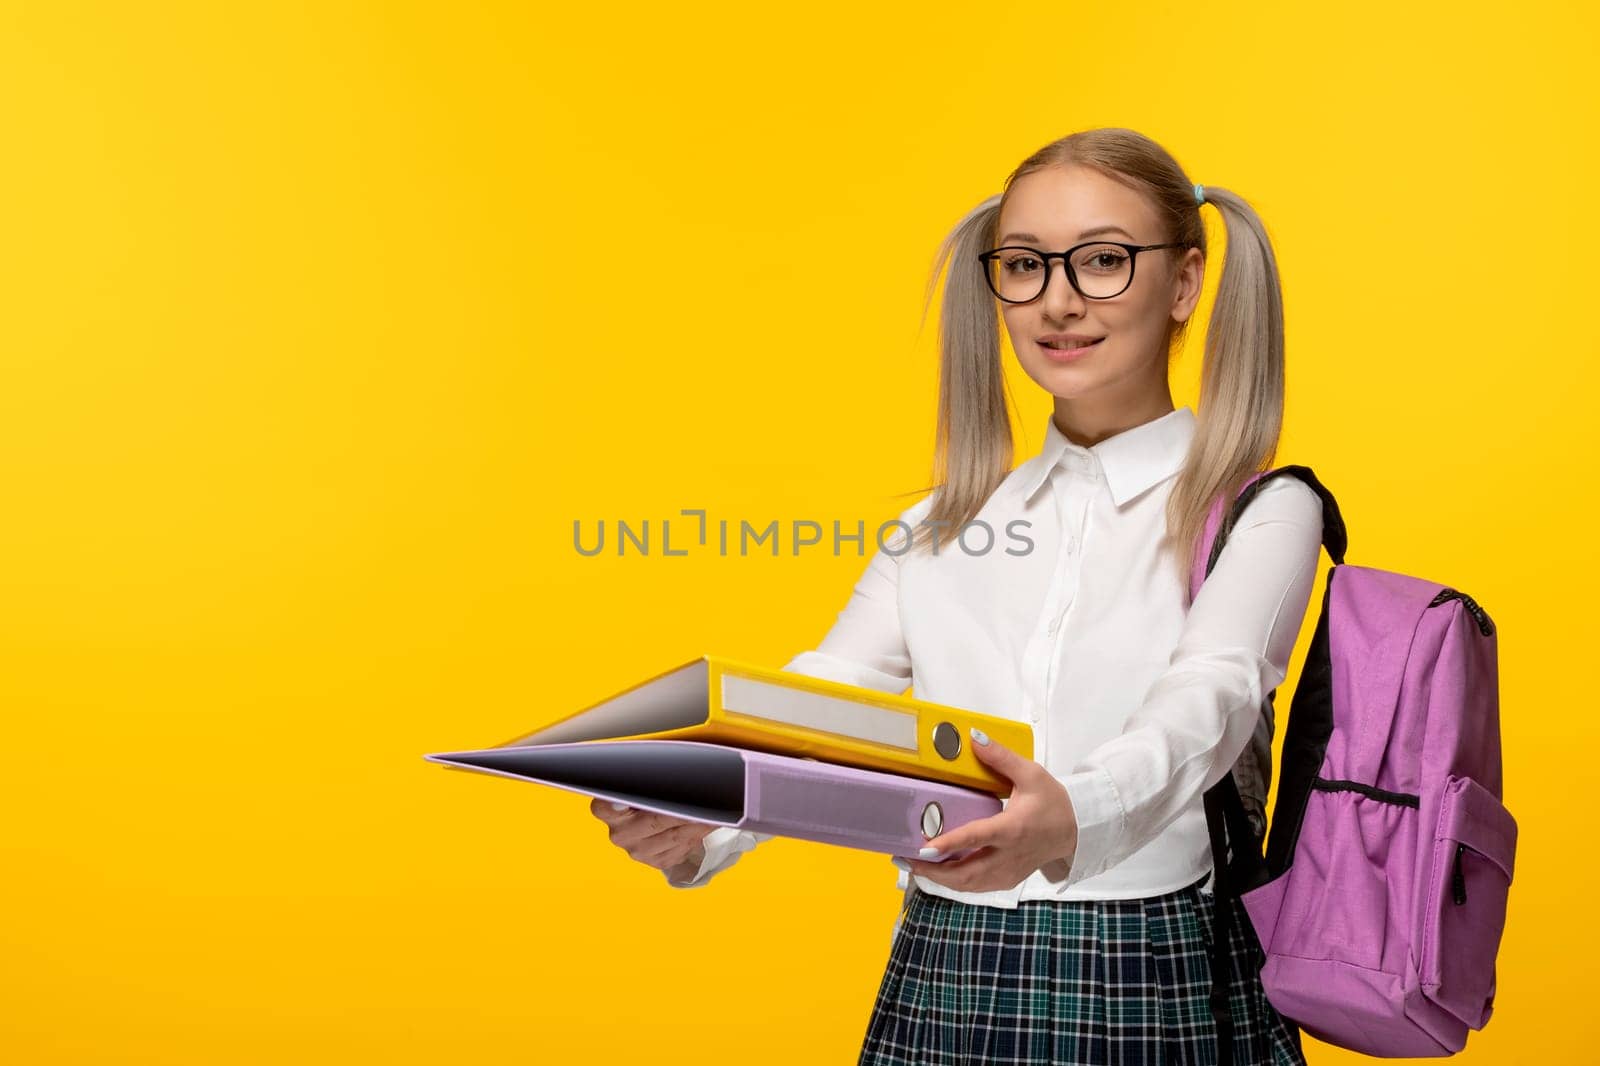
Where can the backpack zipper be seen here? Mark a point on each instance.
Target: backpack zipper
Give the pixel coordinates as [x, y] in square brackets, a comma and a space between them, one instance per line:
[1479, 615]
[1458, 881]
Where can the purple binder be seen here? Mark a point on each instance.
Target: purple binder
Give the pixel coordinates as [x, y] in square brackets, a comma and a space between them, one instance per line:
[722, 785]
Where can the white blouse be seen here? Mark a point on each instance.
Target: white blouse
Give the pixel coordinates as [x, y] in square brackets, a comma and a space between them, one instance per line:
[1073, 622]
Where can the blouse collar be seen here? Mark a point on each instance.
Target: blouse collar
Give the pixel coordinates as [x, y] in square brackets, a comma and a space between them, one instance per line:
[1133, 460]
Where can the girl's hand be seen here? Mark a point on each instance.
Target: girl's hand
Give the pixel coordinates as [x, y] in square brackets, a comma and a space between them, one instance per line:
[1037, 830]
[672, 845]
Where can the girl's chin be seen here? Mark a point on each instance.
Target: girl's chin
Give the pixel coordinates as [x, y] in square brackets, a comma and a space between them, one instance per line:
[1044, 371]
[1063, 382]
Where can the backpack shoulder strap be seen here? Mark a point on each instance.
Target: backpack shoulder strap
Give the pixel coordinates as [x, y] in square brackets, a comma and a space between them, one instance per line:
[1220, 521]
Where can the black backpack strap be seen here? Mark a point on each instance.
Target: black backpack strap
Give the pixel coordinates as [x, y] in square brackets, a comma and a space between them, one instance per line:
[1219, 931]
[1228, 824]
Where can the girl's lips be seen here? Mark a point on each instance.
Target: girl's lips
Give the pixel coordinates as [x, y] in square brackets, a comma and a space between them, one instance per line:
[1067, 355]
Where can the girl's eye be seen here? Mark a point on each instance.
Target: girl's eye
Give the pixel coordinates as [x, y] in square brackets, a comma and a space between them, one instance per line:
[1022, 264]
[1104, 261]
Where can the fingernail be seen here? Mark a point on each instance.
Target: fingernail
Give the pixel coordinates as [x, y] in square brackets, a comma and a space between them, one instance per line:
[980, 736]
[928, 853]
[618, 806]
[901, 863]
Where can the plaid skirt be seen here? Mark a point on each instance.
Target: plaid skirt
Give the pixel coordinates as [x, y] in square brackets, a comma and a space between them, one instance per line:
[1125, 982]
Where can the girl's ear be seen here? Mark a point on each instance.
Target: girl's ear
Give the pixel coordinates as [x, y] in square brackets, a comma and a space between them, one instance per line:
[1191, 279]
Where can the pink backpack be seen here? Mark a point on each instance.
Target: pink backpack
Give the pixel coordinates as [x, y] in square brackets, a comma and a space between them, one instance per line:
[1381, 898]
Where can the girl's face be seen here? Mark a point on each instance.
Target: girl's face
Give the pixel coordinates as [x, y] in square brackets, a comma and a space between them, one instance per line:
[1126, 371]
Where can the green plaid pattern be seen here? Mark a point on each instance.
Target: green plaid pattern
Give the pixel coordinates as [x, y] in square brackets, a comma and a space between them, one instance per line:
[1120, 982]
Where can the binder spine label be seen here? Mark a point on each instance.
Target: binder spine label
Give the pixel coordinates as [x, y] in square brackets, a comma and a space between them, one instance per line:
[813, 710]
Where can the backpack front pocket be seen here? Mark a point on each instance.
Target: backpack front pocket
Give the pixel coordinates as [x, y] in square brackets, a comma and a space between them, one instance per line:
[1464, 912]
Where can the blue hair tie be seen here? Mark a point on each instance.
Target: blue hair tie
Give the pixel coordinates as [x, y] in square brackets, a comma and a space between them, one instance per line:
[1199, 194]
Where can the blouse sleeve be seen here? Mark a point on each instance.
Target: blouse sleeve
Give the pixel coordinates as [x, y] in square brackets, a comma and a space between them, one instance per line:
[1199, 714]
[864, 647]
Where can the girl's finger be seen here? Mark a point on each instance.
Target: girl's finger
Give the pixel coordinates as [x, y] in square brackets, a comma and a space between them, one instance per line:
[977, 868]
[668, 844]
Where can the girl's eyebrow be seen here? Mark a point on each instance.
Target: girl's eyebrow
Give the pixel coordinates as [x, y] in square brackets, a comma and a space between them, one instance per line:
[1085, 235]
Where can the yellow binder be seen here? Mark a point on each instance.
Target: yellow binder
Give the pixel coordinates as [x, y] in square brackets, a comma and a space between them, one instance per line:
[722, 701]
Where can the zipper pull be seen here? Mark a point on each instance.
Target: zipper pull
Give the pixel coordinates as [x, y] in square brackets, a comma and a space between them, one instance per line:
[1458, 881]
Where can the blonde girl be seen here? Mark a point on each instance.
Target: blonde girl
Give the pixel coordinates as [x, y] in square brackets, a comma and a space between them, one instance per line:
[1078, 930]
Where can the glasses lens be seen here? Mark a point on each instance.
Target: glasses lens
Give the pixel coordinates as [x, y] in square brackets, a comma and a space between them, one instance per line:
[1103, 269]
[1017, 274]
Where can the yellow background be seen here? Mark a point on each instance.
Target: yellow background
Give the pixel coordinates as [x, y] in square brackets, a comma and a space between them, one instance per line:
[322, 323]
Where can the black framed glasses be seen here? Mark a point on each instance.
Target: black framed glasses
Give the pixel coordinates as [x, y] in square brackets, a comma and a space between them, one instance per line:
[1099, 270]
